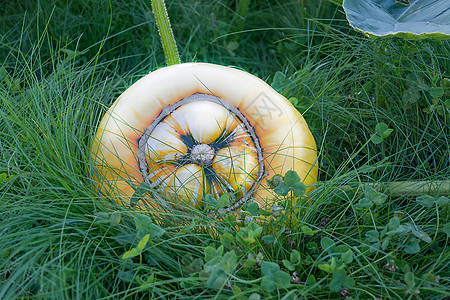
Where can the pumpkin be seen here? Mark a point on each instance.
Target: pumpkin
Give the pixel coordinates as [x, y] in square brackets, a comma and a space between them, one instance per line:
[194, 129]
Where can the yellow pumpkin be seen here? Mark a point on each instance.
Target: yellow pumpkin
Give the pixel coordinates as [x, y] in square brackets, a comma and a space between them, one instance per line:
[194, 129]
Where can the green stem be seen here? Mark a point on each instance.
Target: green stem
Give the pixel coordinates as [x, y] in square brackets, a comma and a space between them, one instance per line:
[416, 188]
[165, 32]
[411, 188]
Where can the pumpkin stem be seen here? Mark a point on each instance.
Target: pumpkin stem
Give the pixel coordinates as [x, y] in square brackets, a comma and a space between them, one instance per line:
[165, 32]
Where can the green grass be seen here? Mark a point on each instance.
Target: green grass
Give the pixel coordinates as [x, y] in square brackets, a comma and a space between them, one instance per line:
[59, 240]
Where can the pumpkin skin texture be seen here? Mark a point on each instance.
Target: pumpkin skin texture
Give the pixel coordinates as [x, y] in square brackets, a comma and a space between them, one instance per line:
[194, 129]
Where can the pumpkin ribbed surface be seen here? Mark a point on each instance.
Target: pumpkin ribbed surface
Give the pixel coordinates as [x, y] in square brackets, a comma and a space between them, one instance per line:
[194, 129]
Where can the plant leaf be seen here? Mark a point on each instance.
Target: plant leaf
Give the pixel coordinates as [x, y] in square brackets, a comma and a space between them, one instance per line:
[347, 257]
[280, 81]
[295, 257]
[223, 201]
[217, 278]
[417, 20]
[290, 266]
[282, 189]
[143, 242]
[131, 253]
[380, 128]
[291, 178]
[446, 229]
[376, 139]
[268, 239]
[409, 279]
[422, 235]
[229, 261]
[426, 200]
[145, 225]
[299, 189]
[412, 246]
[307, 230]
[372, 236]
[282, 279]
[436, 92]
[327, 244]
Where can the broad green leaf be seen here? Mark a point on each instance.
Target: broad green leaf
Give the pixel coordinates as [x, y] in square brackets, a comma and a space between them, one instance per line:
[372, 236]
[254, 296]
[409, 279]
[443, 201]
[335, 285]
[268, 282]
[268, 239]
[227, 239]
[294, 101]
[380, 128]
[410, 96]
[269, 268]
[379, 198]
[445, 84]
[382, 131]
[295, 257]
[290, 266]
[326, 267]
[365, 203]
[311, 280]
[416, 19]
[255, 229]
[387, 133]
[308, 231]
[291, 178]
[299, 189]
[127, 276]
[331, 266]
[446, 229]
[223, 201]
[210, 253]
[394, 223]
[143, 242]
[210, 200]
[282, 189]
[312, 247]
[341, 280]
[217, 279]
[253, 208]
[412, 246]
[426, 201]
[229, 261]
[401, 229]
[376, 197]
[347, 257]
[280, 81]
[249, 263]
[341, 248]
[327, 244]
[237, 291]
[436, 92]
[275, 181]
[145, 225]
[282, 279]
[115, 217]
[422, 235]
[376, 139]
[131, 253]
